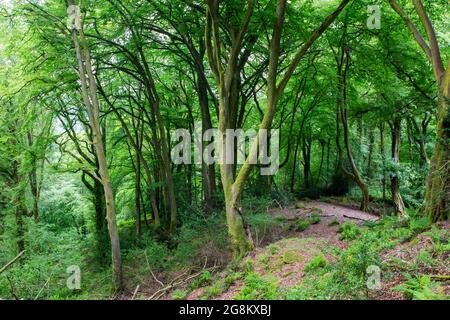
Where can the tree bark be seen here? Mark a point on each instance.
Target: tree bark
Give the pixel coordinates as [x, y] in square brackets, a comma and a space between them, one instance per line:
[343, 69]
[33, 177]
[208, 171]
[90, 99]
[383, 160]
[137, 196]
[369, 160]
[438, 183]
[397, 199]
[306, 152]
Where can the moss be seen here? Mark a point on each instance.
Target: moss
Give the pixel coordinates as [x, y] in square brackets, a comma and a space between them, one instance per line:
[300, 205]
[239, 241]
[290, 257]
[281, 219]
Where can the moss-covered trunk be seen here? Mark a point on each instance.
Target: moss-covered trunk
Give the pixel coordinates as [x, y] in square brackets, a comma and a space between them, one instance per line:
[241, 241]
[395, 180]
[438, 182]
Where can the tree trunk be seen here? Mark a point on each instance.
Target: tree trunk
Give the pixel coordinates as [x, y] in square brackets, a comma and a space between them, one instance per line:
[20, 231]
[383, 160]
[343, 69]
[306, 152]
[355, 173]
[33, 177]
[90, 99]
[208, 171]
[101, 230]
[294, 166]
[225, 76]
[241, 241]
[137, 196]
[395, 182]
[167, 171]
[369, 160]
[322, 156]
[438, 182]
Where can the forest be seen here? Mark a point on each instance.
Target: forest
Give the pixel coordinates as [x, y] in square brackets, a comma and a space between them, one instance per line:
[224, 150]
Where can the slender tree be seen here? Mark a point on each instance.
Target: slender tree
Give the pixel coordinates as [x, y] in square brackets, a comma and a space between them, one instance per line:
[91, 102]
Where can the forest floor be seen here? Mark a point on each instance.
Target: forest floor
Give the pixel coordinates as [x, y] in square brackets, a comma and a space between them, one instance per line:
[321, 250]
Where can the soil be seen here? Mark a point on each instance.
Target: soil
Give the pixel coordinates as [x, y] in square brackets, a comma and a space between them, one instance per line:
[303, 246]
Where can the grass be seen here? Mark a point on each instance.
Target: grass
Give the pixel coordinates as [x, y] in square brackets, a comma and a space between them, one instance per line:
[329, 272]
[346, 273]
[316, 263]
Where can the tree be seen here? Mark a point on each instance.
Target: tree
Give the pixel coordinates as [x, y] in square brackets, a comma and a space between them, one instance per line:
[225, 75]
[438, 183]
[91, 102]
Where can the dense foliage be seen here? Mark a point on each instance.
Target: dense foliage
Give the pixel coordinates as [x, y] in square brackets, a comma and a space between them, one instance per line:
[88, 115]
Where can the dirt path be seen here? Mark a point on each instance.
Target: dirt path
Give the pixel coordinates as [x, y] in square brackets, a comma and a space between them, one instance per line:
[294, 249]
[302, 246]
[339, 212]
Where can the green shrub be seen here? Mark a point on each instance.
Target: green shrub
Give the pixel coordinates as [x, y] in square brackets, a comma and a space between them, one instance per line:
[349, 231]
[273, 249]
[179, 295]
[213, 291]
[419, 224]
[421, 288]
[204, 279]
[300, 225]
[315, 219]
[257, 288]
[316, 263]
[231, 278]
[263, 222]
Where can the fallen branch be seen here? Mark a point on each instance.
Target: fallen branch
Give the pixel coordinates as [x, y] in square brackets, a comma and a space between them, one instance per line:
[440, 277]
[175, 283]
[11, 262]
[279, 205]
[324, 215]
[135, 292]
[12, 289]
[156, 279]
[360, 219]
